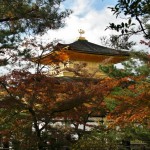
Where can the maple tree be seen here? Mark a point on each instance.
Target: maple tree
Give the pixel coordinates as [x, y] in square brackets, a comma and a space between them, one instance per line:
[134, 104]
[132, 96]
[127, 108]
[36, 100]
[128, 103]
[19, 20]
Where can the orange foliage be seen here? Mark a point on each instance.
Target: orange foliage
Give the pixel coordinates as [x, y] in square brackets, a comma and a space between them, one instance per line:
[43, 98]
[134, 104]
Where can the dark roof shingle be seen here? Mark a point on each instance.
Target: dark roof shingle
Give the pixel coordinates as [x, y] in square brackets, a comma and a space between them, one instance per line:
[84, 46]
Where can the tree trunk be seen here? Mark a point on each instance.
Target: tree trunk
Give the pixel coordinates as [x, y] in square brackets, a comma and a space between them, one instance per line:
[6, 145]
[126, 144]
[40, 143]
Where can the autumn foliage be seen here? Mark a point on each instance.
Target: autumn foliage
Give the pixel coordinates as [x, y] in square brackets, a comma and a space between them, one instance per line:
[37, 98]
[133, 104]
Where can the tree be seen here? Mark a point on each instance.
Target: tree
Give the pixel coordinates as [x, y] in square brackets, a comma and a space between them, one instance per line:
[117, 42]
[132, 95]
[21, 18]
[42, 100]
[137, 77]
[129, 103]
[132, 9]
[133, 107]
[100, 138]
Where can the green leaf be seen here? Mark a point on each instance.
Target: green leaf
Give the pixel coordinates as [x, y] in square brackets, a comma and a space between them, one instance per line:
[129, 21]
[122, 24]
[126, 30]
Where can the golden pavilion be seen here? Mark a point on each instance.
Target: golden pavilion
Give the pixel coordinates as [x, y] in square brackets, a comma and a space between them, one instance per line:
[82, 52]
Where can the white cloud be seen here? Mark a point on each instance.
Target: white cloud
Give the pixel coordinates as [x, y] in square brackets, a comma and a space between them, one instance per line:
[93, 22]
[81, 7]
[86, 17]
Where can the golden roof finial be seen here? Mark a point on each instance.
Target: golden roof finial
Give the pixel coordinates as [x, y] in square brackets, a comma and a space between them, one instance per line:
[81, 33]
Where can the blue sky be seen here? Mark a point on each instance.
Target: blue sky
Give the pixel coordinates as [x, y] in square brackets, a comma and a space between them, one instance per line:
[96, 4]
[100, 4]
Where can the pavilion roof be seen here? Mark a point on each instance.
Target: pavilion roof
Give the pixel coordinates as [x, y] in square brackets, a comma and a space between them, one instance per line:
[83, 46]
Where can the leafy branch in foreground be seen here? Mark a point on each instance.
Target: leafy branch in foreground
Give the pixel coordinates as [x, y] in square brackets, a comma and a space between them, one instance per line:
[24, 18]
[133, 10]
